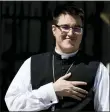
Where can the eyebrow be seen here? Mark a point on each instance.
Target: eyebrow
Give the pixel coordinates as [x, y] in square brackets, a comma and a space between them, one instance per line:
[72, 26]
[78, 26]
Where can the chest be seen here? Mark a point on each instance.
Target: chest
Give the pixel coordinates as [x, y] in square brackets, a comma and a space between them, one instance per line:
[48, 71]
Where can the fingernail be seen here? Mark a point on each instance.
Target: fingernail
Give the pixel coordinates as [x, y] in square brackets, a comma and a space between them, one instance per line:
[86, 92]
[69, 73]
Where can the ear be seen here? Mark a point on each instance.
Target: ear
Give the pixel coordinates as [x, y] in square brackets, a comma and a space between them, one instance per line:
[53, 29]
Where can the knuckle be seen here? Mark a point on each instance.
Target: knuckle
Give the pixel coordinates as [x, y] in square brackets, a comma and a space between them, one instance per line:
[70, 92]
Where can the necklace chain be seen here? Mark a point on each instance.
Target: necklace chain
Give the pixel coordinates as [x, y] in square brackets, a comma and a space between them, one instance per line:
[53, 67]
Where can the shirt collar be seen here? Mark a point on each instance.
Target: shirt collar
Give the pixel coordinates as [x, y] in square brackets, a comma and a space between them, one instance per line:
[64, 55]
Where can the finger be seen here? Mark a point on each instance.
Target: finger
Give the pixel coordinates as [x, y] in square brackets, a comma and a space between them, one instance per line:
[80, 90]
[66, 76]
[77, 83]
[75, 97]
[78, 94]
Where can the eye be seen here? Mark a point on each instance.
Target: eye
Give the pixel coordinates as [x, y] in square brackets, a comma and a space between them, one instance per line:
[77, 29]
[65, 27]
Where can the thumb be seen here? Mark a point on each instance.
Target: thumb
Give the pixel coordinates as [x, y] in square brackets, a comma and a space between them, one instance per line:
[66, 76]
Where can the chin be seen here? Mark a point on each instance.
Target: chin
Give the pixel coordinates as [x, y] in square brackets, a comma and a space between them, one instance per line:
[68, 49]
[68, 46]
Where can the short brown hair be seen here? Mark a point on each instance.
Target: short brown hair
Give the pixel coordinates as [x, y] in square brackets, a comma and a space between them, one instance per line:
[67, 8]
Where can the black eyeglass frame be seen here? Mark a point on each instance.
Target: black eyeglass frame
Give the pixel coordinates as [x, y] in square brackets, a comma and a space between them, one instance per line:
[73, 28]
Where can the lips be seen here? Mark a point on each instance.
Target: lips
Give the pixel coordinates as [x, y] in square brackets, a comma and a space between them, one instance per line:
[72, 39]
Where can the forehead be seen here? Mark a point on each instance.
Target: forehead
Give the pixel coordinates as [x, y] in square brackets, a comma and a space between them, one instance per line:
[68, 19]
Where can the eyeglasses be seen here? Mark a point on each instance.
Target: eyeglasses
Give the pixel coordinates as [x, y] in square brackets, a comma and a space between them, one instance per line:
[66, 28]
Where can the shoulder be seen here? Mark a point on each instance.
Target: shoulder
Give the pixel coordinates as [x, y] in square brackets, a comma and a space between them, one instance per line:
[41, 55]
[88, 58]
[41, 58]
[36, 57]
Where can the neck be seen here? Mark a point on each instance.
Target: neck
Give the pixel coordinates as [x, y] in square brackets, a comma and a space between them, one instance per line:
[65, 55]
[60, 51]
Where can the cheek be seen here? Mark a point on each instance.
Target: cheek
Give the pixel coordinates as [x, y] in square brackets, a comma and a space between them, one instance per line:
[79, 38]
[58, 37]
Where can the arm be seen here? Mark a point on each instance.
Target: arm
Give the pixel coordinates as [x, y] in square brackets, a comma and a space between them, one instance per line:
[101, 89]
[21, 97]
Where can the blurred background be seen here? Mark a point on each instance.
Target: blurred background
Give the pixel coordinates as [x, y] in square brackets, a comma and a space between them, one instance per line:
[25, 30]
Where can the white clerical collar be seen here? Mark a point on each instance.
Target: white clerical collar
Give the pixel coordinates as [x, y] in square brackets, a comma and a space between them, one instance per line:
[64, 55]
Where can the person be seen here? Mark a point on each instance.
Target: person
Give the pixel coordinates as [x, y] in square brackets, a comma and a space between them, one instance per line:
[64, 79]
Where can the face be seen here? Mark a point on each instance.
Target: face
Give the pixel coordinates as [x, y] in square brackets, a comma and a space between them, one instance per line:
[68, 33]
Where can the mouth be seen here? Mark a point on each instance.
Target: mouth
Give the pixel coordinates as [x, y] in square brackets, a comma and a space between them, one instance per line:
[71, 39]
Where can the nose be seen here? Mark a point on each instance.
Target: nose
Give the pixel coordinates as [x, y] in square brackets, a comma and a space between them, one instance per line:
[71, 32]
